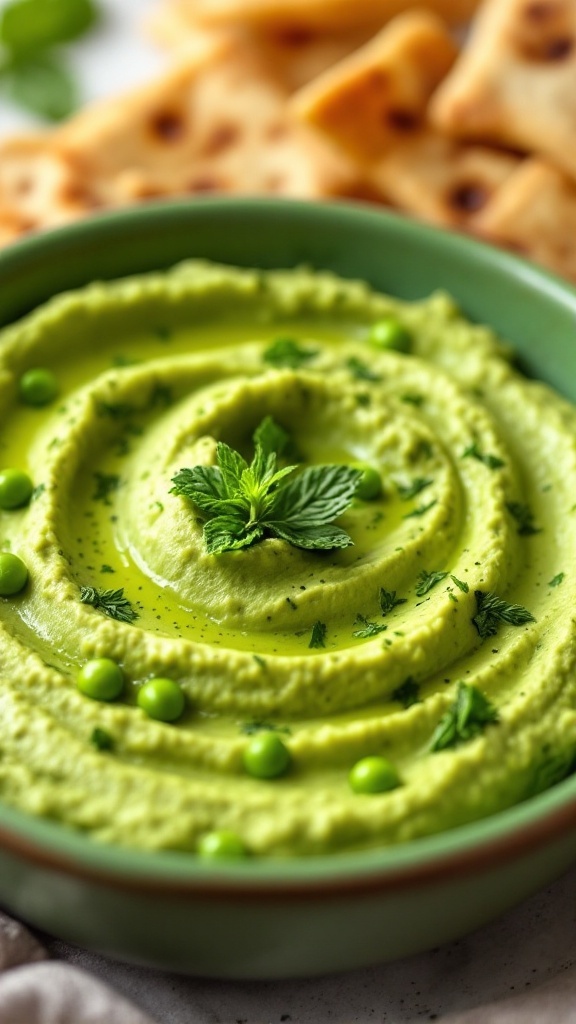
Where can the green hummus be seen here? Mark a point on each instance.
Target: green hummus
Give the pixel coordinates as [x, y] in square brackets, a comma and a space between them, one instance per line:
[443, 639]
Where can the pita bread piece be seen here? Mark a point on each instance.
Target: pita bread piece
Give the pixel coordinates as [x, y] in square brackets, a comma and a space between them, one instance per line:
[442, 181]
[297, 55]
[534, 214]
[515, 83]
[39, 185]
[377, 98]
[216, 122]
[322, 14]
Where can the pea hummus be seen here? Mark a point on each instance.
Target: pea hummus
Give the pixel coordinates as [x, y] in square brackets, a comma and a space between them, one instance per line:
[421, 677]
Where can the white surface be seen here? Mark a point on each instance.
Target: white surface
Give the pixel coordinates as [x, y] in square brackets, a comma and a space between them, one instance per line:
[527, 946]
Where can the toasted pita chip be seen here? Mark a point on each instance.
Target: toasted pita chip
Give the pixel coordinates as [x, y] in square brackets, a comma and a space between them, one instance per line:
[378, 97]
[39, 186]
[11, 226]
[515, 82]
[297, 56]
[217, 122]
[442, 181]
[323, 14]
[534, 214]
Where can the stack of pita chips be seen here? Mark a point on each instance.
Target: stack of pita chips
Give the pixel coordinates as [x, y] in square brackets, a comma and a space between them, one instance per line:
[369, 99]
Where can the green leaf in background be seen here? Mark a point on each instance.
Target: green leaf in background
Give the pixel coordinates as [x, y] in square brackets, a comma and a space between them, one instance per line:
[29, 26]
[42, 85]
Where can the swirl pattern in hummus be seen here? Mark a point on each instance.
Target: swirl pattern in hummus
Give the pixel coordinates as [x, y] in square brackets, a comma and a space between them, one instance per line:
[152, 372]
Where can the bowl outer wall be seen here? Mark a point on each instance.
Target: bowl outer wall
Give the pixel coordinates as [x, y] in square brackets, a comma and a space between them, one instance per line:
[395, 893]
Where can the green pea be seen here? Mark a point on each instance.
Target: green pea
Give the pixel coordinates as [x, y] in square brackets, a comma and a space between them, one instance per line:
[38, 387]
[266, 756]
[221, 845]
[13, 574]
[373, 775]
[161, 699]
[15, 488]
[101, 679]
[369, 486]
[390, 334]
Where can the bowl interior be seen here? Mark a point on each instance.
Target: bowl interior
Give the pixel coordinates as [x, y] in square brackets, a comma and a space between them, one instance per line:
[533, 310]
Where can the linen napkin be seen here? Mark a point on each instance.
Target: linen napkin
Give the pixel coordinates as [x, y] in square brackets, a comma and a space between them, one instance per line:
[34, 990]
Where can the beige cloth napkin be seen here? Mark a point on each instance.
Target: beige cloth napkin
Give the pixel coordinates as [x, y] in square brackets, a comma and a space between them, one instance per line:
[36, 991]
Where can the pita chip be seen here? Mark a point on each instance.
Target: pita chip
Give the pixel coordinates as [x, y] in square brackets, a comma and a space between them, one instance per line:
[515, 82]
[534, 214]
[441, 181]
[216, 122]
[375, 104]
[377, 98]
[297, 55]
[322, 14]
[39, 186]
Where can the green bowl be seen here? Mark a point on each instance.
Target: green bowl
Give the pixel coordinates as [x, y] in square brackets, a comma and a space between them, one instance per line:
[272, 919]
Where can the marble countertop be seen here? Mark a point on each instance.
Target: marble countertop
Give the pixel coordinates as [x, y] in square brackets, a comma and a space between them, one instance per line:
[523, 949]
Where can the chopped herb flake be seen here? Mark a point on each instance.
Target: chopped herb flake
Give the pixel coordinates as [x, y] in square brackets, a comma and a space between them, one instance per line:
[557, 580]
[110, 602]
[410, 490]
[421, 509]
[491, 461]
[106, 484]
[288, 353]
[466, 718]
[361, 370]
[389, 601]
[367, 628]
[101, 739]
[407, 694]
[492, 611]
[524, 518]
[250, 728]
[427, 580]
[318, 638]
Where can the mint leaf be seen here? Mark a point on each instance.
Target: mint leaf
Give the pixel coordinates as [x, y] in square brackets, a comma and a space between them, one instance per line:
[271, 437]
[317, 495]
[41, 84]
[492, 611]
[28, 26]
[231, 465]
[466, 718]
[245, 503]
[319, 538]
[203, 485]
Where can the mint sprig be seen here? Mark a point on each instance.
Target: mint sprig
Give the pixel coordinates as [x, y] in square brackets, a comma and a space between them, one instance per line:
[243, 504]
